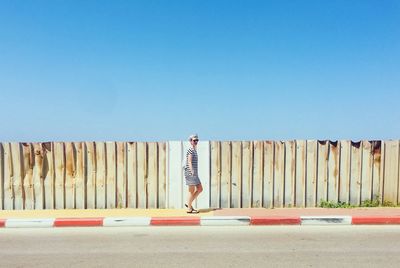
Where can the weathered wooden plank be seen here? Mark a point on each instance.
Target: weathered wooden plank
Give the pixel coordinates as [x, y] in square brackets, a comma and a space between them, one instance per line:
[367, 170]
[132, 175]
[162, 175]
[91, 175]
[121, 175]
[38, 182]
[152, 180]
[344, 179]
[70, 175]
[101, 175]
[203, 151]
[142, 177]
[355, 179]
[301, 175]
[312, 160]
[17, 176]
[236, 186]
[48, 175]
[333, 171]
[290, 173]
[111, 171]
[226, 173]
[59, 161]
[80, 178]
[8, 174]
[1, 177]
[29, 161]
[268, 184]
[391, 172]
[215, 174]
[322, 171]
[258, 174]
[279, 182]
[377, 170]
[247, 179]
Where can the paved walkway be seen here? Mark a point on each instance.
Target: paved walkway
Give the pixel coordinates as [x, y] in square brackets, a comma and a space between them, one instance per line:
[231, 216]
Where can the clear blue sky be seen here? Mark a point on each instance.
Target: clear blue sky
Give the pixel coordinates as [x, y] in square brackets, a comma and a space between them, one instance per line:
[225, 69]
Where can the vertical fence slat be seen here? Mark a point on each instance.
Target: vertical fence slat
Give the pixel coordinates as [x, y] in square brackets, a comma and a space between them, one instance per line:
[90, 175]
[48, 175]
[290, 173]
[38, 177]
[215, 174]
[8, 173]
[391, 171]
[100, 175]
[70, 176]
[344, 180]
[121, 175]
[59, 161]
[367, 171]
[236, 174]
[312, 159]
[132, 175]
[162, 175]
[111, 176]
[17, 178]
[333, 171]
[258, 174]
[377, 170]
[142, 174]
[1, 176]
[279, 182]
[322, 176]
[29, 161]
[80, 196]
[355, 179]
[247, 168]
[226, 167]
[301, 168]
[152, 184]
[269, 154]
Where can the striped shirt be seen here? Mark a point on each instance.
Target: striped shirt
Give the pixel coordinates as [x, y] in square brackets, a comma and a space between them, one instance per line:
[193, 153]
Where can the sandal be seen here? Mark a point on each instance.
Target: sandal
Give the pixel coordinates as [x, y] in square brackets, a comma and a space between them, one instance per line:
[192, 211]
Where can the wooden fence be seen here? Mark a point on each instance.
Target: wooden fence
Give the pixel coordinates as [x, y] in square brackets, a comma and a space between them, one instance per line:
[85, 175]
[302, 173]
[82, 175]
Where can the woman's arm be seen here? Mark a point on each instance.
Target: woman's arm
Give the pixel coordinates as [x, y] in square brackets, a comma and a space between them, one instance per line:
[190, 164]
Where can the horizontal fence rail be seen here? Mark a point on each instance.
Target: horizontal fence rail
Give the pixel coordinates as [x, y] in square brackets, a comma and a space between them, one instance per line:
[235, 174]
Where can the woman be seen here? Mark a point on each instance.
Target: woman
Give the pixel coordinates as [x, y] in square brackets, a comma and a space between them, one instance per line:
[191, 174]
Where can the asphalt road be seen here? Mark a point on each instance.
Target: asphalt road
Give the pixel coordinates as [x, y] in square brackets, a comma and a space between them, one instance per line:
[201, 246]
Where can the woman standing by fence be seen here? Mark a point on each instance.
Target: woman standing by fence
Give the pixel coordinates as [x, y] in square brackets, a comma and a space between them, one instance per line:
[191, 174]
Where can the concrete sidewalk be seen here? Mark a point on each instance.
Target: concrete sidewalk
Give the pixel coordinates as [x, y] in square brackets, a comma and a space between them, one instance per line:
[223, 217]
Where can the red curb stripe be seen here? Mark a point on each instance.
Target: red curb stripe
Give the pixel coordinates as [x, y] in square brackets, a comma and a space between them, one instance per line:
[2, 223]
[78, 222]
[275, 221]
[175, 221]
[376, 220]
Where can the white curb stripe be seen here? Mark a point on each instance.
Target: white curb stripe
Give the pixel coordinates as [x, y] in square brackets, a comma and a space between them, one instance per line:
[128, 221]
[29, 223]
[325, 220]
[225, 220]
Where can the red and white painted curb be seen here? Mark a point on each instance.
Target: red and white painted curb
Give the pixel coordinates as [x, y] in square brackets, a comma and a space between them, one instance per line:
[196, 221]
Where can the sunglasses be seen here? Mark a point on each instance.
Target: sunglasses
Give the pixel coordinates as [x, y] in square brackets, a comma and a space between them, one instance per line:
[195, 140]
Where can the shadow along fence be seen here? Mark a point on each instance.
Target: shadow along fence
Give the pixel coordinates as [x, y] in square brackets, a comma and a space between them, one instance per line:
[97, 175]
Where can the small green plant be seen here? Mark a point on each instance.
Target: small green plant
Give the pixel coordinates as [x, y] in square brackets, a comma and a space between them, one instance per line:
[330, 204]
[370, 203]
[365, 203]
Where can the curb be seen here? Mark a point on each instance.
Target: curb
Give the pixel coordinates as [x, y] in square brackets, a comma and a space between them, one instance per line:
[196, 221]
